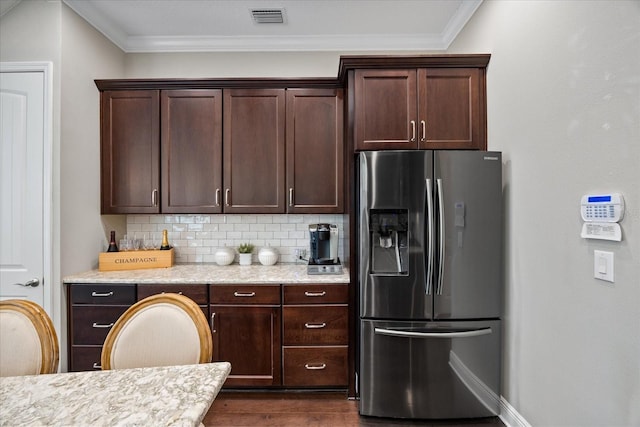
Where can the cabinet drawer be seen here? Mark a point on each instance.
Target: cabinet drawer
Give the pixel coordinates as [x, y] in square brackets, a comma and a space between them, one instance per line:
[244, 294]
[316, 294]
[85, 358]
[315, 325]
[198, 293]
[315, 366]
[103, 294]
[92, 323]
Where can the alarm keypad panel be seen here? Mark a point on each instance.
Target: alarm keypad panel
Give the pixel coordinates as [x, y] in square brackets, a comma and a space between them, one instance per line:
[602, 208]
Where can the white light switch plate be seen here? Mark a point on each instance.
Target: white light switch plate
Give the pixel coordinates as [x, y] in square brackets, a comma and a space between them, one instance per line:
[603, 265]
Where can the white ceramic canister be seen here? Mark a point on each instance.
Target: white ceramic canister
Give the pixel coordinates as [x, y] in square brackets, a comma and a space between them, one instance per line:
[225, 256]
[268, 256]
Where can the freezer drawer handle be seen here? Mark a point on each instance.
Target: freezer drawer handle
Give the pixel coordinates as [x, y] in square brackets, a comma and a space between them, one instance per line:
[462, 334]
[315, 325]
[311, 367]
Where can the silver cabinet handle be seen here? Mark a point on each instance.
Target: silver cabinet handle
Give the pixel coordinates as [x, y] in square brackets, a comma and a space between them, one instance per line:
[179, 293]
[213, 322]
[227, 193]
[443, 334]
[291, 196]
[102, 325]
[96, 366]
[423, 125]
[154, 197]
[314, 367]
[217, 197]
[315, 294]
[315, 325]
[413, 130]
[99, 294]
[33, 283]
[244, 294]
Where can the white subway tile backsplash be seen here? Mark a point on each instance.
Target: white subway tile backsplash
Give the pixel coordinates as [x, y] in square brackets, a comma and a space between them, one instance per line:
[196, 237]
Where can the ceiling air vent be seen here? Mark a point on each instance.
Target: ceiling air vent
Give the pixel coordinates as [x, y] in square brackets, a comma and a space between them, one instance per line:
[268, 16]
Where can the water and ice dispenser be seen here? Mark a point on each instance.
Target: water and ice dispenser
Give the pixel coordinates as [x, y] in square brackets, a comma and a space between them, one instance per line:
[388, 241]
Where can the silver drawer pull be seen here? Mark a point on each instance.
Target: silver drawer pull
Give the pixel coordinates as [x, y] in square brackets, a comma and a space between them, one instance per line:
[100, 325]
[314, 294]
[315, 325]
[244, 294]
[96, 366]
[98, 294]
[179, 293]
[315, 367]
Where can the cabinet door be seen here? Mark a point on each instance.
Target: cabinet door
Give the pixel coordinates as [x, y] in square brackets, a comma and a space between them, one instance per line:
[451, 108]
[315, 160]
[254, 156]
[249, 338]
[385, 109]
[191, 151]
[130, 147]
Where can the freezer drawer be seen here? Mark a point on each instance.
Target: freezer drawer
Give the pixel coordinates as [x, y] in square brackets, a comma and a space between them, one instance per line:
[430, 370]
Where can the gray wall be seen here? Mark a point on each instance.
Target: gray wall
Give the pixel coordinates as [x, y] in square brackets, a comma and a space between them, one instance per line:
[563, 89]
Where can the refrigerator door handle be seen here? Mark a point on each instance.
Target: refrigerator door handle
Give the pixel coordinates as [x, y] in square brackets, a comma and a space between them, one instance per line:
[440, 238]
[443, 334]
[429, 237]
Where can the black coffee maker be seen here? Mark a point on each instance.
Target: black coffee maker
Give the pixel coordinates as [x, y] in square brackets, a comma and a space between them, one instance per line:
[323, 243]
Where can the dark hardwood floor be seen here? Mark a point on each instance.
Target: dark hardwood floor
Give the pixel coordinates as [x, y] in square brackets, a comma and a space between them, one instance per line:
[306, 409]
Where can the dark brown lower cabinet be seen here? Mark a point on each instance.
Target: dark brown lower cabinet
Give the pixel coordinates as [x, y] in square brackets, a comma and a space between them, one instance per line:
[93, 309]
[245, 324]
[315, 366]
[315, 335]
[274, 336]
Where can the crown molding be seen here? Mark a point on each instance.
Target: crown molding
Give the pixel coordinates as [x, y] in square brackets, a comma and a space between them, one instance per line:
[303, 43]
[375, 42]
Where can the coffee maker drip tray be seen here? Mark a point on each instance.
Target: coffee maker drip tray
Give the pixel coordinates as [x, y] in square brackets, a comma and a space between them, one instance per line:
[324, 267]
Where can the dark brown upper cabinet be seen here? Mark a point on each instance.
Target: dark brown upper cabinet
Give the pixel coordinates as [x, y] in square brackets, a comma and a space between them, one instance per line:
[423, 108]
[191, 151]
[130, 166]
[315, 158]
[254, 150]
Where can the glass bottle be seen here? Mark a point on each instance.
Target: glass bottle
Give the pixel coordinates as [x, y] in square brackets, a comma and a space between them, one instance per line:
[112, 243]
[165, 241]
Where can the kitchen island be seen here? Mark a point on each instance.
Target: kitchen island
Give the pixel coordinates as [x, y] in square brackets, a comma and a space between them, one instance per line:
[278, 326]
[159, 396]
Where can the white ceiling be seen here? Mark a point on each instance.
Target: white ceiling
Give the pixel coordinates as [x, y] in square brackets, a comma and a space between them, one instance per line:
[310, 25]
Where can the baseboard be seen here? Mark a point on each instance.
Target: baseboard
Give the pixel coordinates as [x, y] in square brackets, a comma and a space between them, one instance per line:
[509, 416]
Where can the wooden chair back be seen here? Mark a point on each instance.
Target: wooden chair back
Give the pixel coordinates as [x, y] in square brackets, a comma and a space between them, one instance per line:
[160, 330]
[28, 339]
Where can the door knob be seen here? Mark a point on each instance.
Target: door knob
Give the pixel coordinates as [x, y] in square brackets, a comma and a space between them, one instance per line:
[29, 283]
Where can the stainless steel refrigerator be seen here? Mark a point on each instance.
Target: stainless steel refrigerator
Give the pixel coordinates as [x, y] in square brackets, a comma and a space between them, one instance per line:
[430, 283]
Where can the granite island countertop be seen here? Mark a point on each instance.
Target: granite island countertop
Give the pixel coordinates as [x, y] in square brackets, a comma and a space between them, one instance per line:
[160, 396]
[211, 274]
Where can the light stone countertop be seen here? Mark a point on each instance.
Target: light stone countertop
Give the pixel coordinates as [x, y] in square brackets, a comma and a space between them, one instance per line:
[211, 273]
[161, 396]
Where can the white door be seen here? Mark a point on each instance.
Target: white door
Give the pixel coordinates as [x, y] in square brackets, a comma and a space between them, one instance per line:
[25, 253]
